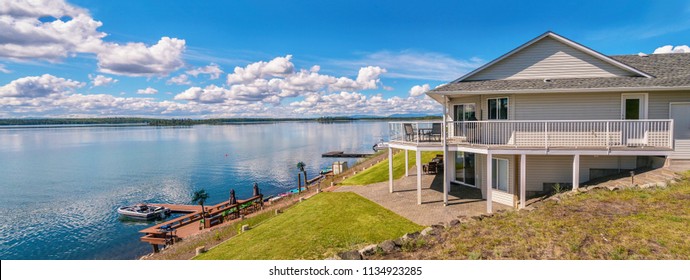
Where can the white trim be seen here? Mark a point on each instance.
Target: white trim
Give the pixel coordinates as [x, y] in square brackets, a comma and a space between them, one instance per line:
[644, 103]
[490, 172]
[565, 41]
[488, 182]
[419, 177]
[576, 171]
[523, 180]
[464, 184]
[390, 169]
[465, 104]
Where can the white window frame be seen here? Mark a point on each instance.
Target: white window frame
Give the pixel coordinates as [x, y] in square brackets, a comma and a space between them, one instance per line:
[488, 113]
[644, 103]
[494, 180]
[464, 104]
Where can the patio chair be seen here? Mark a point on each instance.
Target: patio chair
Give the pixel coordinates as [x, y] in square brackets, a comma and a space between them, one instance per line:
[409, 132]
[435, 132]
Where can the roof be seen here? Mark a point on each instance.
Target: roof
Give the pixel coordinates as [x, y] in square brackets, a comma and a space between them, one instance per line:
[563, 40]
[667, 71]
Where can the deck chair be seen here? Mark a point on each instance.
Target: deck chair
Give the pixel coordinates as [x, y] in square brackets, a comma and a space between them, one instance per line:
[409, 132]
[435, 132]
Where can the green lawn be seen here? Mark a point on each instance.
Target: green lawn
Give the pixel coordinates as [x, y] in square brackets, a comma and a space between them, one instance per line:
[379, 172]
[315, 229]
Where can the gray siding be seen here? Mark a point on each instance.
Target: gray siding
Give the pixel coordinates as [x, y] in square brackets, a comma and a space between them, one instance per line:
[549, 58]
[559, 169]
[566, 106]
[659, 103]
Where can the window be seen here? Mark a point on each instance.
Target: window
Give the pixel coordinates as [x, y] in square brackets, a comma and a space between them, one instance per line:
[499, 174]
[498, 108]
[465, 112]
[464, 168]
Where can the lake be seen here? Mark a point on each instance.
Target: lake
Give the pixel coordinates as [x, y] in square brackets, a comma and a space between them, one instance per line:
[60, 186]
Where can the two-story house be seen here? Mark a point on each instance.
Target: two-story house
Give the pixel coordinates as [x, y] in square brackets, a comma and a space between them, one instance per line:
[553, 111]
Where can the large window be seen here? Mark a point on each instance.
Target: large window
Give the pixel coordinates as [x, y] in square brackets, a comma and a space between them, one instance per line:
[499, 174]
[498, 108]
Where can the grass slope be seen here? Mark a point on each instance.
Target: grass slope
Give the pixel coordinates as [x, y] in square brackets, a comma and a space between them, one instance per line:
[315, 229]
[379, 172]
[600, 224]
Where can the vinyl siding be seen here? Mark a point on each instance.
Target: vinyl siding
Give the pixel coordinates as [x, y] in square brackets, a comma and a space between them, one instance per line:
[659, 103]
[604, 162]
[559, 169]
[682, 150]
[549, 58]
[566, 106]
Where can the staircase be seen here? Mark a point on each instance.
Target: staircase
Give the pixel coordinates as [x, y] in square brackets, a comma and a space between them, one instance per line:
[644, 177]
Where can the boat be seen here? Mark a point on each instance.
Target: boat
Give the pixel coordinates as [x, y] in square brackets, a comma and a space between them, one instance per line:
[380, 146]
[143, 211]
[326, 170]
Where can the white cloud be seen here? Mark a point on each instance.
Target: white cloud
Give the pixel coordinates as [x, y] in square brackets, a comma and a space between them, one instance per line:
[415, 65]
[25, 34]
[181, 79]
[38, 86]
[148, 90]
[672, 49]
[4, 70]
[278, 67]
[136, 59]
[349, 103]
[100, 80]
[213, 70]
[419, 90]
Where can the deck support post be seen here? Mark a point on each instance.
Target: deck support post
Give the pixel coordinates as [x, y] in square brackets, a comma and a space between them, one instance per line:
[489, 182]
[407, 164]
[446, 176]
[419, 176]
[155, 248]
[576, 172]
[390, 169]
[523, 180]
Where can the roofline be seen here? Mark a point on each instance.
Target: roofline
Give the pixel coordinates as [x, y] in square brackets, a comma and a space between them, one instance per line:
[563, 40]
[562, 90]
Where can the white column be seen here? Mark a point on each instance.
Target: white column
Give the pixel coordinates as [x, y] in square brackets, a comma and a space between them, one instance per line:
[407, 164]
[390, 169]
[523, 179]
[446, 177]
[489, 182]
[576, 171]
[419, 176]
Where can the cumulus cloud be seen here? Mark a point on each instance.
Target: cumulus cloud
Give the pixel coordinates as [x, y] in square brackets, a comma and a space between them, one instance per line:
[38, 86]
[672, 49]
[278, 67]
[148, 90]
[213, 70]
[347, 103]
[419, 90]
[52, 29]
[181, 79]
[100, 80]
[136, 59]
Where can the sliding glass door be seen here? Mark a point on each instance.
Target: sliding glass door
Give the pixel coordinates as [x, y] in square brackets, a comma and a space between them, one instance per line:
[464, 168]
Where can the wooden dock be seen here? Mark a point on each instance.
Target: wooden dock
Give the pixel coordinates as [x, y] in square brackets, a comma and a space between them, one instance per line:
[341, 154]
[193, 222]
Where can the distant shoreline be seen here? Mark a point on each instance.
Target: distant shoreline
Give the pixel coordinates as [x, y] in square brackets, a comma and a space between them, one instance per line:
[94, 122]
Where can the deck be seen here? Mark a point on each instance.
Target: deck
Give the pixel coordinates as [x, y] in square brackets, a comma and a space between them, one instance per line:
[193, 222]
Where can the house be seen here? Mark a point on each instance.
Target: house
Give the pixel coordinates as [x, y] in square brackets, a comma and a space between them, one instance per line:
[554, 112]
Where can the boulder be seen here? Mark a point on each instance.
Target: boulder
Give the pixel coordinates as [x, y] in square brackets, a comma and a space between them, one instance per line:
[350, 255]
[388, 246]
[245, 228]
[200, 250]
[430, 231]
[409, 236]
[454, 222]
[399, 242]
[368, 250]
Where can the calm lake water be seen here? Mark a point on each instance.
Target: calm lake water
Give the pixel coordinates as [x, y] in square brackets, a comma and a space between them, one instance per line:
[60, 186]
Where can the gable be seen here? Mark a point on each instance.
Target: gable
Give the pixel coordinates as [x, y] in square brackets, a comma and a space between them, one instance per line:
[549, 58]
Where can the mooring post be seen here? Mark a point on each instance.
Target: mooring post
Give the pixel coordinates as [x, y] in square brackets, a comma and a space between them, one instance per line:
[155, 248]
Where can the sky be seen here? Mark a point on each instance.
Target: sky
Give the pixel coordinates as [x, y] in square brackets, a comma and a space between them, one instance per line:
[224, 59]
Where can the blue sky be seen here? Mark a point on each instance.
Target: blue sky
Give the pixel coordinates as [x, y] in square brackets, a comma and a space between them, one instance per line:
[205, 59]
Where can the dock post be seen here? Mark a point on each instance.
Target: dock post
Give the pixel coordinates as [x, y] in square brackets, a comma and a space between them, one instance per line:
[155, 248]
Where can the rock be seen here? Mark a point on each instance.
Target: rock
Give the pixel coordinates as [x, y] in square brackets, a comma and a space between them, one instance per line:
[302, 199]
[399, 242]
[429, 231]
[278, 211]
[245, 228]
[454, 222]
[368, 250]
[661, 184]
[409, 236]
[200, 250]
[350, 255]
[388, 246]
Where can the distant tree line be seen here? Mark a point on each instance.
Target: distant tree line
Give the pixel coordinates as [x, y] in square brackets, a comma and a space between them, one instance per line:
[183, 122]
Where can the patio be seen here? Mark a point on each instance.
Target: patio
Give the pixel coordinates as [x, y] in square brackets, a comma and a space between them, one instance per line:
[462, 200]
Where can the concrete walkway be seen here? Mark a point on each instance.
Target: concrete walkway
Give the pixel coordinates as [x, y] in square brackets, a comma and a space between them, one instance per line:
[462, 200]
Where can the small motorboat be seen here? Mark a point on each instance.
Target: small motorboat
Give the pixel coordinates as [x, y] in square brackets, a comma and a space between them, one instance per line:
[380, 146]
[326, 170]
[144, 212]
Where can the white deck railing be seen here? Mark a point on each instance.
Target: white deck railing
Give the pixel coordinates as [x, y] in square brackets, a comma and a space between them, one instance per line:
[543, 134]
